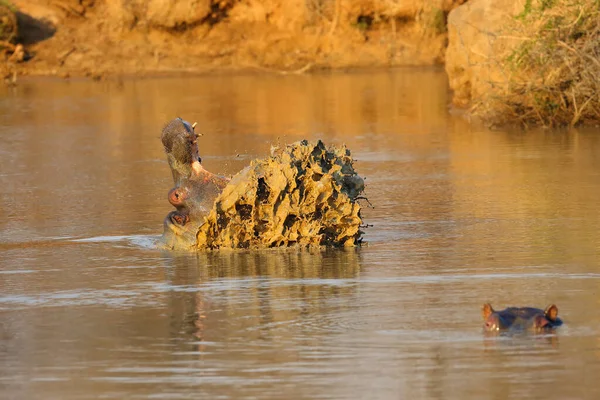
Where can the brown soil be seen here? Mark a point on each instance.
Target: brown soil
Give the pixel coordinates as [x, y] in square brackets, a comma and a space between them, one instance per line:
[106, 37]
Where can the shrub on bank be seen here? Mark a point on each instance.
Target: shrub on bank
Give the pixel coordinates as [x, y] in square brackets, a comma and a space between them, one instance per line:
[554, 74]
[8, 22]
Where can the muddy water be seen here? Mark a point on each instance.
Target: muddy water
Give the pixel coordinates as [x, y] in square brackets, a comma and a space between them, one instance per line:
[90, 309]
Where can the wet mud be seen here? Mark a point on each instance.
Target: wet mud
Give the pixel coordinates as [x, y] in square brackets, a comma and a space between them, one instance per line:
[306, 196]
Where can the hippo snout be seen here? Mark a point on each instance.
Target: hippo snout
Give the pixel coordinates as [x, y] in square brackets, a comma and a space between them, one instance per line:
[491, 325]
[179, 231]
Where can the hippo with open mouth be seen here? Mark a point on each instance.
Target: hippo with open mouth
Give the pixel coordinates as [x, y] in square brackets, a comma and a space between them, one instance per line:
[305, 195]
[520, 319]
[195, 188]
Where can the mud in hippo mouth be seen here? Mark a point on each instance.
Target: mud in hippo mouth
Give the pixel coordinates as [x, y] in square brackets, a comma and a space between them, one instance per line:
[305, 195]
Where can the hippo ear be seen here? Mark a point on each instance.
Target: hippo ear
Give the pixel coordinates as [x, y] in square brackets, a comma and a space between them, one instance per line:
[551, 312]
[486, 310]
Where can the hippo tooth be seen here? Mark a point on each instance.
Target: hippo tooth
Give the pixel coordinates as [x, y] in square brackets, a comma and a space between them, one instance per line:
[197, 167]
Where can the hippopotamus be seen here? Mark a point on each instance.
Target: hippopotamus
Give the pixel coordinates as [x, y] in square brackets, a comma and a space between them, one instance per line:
[520, 318]
[305, 194]
[195, 188]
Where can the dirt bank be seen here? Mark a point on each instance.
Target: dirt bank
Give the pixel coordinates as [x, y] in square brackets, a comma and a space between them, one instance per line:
[106, 37]
[526, 62]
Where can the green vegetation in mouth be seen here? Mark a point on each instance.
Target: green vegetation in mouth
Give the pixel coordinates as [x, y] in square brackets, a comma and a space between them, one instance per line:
[553, 75]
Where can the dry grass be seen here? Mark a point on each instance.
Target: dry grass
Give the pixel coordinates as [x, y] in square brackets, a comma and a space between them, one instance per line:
[8, 22]
[554, 75]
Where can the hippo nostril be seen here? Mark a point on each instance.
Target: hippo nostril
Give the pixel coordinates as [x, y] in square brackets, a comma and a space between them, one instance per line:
[176, 197]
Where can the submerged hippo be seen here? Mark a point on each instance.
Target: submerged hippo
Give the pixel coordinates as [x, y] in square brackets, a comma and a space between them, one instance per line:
[520, 318]
[304, 195]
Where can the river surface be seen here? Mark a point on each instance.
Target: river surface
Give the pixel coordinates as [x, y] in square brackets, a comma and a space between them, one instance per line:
[91, 309]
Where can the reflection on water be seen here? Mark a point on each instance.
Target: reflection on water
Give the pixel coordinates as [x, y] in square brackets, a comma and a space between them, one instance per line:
[462, 216]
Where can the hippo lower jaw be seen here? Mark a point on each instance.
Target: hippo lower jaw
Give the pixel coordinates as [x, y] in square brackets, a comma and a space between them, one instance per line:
[178, 231]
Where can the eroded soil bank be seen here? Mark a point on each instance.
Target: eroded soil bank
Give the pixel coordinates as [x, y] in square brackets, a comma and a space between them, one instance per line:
[106, 37]
[526, 62]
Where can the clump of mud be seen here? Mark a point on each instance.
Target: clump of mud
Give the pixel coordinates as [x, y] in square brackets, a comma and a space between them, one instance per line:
[306, 195]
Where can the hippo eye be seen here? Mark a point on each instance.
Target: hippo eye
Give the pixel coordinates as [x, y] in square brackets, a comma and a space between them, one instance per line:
[187, 126]
[491, 326]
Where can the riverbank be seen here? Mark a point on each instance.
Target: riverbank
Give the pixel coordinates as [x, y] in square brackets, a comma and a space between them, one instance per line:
[523, 62]
[526, 62]
[113, 37]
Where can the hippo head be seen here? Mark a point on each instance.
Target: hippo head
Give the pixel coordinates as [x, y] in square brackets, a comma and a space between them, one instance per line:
[520, 318]
[195, 188]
